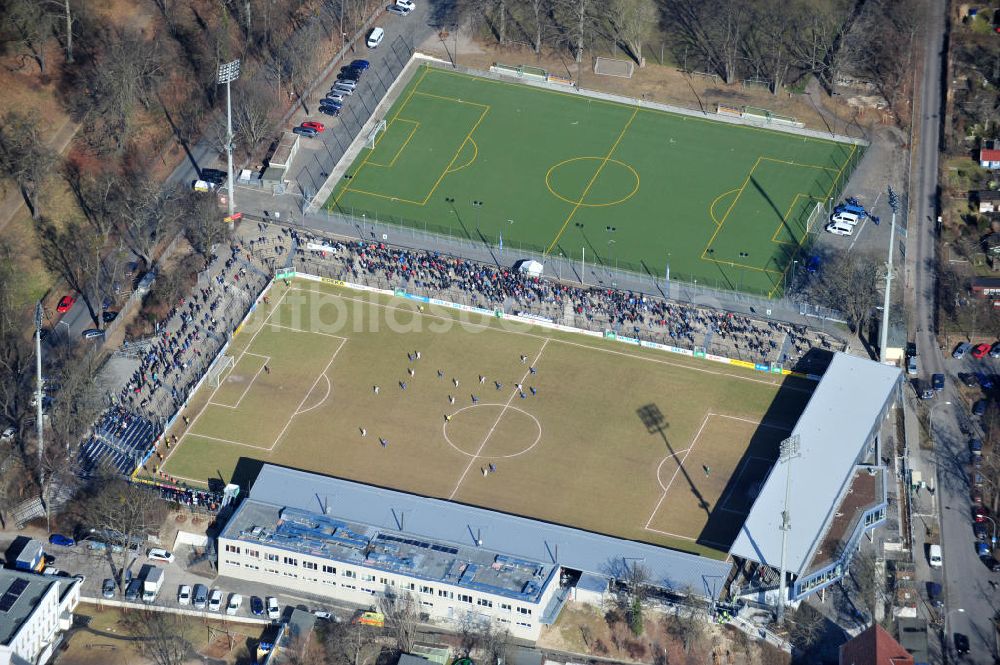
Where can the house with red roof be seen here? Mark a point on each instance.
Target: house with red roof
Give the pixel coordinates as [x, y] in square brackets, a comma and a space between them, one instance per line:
[874, 646]
[989, 158]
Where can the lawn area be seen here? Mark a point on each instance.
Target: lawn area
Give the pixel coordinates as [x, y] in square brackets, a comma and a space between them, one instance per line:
[574, 445]
[561, 174]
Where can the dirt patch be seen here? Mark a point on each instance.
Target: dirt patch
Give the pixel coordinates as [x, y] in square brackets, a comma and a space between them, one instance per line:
[654, 82]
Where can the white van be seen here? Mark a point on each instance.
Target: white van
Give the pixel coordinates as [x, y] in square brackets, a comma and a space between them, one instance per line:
[409, 5]
[845, 217]
[840, 229]
[375, 37]
[934, 556]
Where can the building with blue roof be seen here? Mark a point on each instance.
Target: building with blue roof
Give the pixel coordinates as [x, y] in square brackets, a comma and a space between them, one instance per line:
[355, 543]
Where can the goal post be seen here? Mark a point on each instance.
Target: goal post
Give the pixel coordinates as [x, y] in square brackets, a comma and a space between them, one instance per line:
[216, 372]
[374, 134]
[614, 67]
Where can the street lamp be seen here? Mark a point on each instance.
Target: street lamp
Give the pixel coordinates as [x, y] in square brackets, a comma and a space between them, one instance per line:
[228, 73]
[788, 449]
[993, 540]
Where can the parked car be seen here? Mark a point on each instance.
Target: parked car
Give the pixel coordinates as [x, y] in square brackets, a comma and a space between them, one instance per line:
[398, 10]
[318, 126]
[961, 644]
[364, 64]
[308, 132]
[991, 563]
[65, 304]
[325, 616]
[108, 588]
[133, 590]
[934, 556]
[995, 350]
[215, 600]
[911, 365]
[980, 351]
[200, 596]
[926, 392]
[108, 317]
[961, 350]
[160, 554]
[92, 333]
[184, 595]
[256, 606]
[345, 85]
[983, 550]
[61, 540]
[985, 380]
[348, 74]
[410, 5]
[235, 603]
[969, 380]
[979, 408]
[375, 37]
[938, 382]
[214, 176]
[273, 612]
[935, 594]
[8, 434]
[335, 96]
[333, 111]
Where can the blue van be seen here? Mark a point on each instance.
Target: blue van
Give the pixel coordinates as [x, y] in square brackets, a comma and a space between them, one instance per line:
[851, 208]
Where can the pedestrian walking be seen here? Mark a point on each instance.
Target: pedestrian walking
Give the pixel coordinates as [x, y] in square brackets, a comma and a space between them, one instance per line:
[475, 400]
[493, 467]
[409, 370]
[451, 399]
[409, 356]
[523, 396]
[483, 469]
[455, 381]
[364, 432]
[533, 391]
[402, 385]
[498, 385]
[375, 389]
[187, 421]
[482, 379]
[707, 469]
[447, 418]
[267, 370]
[440, 374]
[382, 442]
[524, 358]
[417, 354]
[533, 370]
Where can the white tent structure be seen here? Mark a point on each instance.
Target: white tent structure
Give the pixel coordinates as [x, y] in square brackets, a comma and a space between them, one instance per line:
[530, 268]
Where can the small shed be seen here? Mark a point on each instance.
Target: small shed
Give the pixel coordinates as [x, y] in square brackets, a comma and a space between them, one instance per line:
[530, 268]
[989, 158]
[590, 589]
[285, 151]
[988, 200]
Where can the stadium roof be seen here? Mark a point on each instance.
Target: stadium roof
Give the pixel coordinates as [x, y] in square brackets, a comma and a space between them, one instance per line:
[445, 521]
[842, 412]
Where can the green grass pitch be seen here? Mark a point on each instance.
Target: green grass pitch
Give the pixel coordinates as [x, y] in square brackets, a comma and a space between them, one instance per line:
[726, 205]
[582, 450]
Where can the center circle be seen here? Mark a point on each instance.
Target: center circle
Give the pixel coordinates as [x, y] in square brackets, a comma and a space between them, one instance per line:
[512, 431]
[592, 182]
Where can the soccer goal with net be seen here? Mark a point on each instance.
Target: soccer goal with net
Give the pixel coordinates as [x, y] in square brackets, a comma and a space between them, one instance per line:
[216, 372]
[614, 67]
[373, 135]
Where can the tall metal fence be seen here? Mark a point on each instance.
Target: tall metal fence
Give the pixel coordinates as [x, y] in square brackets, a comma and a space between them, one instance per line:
[616, 275]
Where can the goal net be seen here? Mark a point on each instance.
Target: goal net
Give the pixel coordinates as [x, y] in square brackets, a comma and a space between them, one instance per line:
[216, 372]
[814, 222]
[614, 67]
[374, 134]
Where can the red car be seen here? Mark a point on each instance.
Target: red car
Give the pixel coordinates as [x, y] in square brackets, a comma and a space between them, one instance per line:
[318, 126]
[980, 351]
[65, 304]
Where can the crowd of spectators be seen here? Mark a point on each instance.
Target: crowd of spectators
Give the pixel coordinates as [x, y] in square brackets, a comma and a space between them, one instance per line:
[627, 313]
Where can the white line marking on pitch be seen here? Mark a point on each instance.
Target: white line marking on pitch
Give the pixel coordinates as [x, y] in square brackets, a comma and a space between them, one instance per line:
[719, 546]
[513, 393]
[260, 369]
[329, 388]
[198, 415]
[309, 392]
[676, 471]
[235, 443]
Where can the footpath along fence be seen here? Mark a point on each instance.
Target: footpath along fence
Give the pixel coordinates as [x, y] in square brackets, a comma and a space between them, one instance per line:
[532, 319]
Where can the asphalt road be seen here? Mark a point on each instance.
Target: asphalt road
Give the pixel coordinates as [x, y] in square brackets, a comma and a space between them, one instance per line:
[971, 601]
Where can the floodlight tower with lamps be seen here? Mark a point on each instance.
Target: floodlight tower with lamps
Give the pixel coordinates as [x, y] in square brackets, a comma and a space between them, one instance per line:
[884, 336]
[789, 449]
[38, 378]
[228, 73]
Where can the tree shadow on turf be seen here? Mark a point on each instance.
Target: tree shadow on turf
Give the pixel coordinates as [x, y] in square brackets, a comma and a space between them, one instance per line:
[656, 423]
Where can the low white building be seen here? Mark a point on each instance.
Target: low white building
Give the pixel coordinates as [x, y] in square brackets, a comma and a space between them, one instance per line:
[35, 610]
[355, 543]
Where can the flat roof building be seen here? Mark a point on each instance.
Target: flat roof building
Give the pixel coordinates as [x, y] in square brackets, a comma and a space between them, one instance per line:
[35, 610]
[356, 543]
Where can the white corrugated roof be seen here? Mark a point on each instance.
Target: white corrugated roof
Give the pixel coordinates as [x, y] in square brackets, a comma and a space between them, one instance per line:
[439, 520]
[833, 429]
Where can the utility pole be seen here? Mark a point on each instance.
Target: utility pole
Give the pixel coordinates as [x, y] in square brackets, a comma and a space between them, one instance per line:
[884, 336]
[788, 450]
[38, 379]
[228, 73]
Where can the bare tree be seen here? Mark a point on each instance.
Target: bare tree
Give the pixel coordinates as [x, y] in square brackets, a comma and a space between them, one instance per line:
[160, 636]
[400, 612]
[685, 626]
[630, 21]
[25, 158]
[16, 353]
[252, 120]
[346, 643]
[74, 253]
[868, 581]
[125, 513]
[806, 626]
[147, 213]
[850, 282]
[202, 222]
[29, 26]
[538, 15]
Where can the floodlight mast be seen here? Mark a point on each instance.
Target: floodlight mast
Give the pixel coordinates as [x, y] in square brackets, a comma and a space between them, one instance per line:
[884, 336]
[788, 450]
[38, 378]
[228, 73]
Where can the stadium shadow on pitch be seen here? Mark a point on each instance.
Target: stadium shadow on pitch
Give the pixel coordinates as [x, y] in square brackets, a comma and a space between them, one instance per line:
[727, 516]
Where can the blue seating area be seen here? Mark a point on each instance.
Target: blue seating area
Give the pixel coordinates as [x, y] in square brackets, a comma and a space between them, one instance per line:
[120, 441]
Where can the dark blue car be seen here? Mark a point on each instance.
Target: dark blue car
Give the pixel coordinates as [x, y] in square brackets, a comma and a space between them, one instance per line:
[61, 540]
[256, 606]
[985, 380]
[360, 64]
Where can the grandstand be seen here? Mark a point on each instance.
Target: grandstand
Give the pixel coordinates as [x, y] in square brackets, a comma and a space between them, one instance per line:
[121, 441]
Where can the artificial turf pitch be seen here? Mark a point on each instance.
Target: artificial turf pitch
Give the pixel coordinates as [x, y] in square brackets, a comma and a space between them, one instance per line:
[615, 439]
[724, 205]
